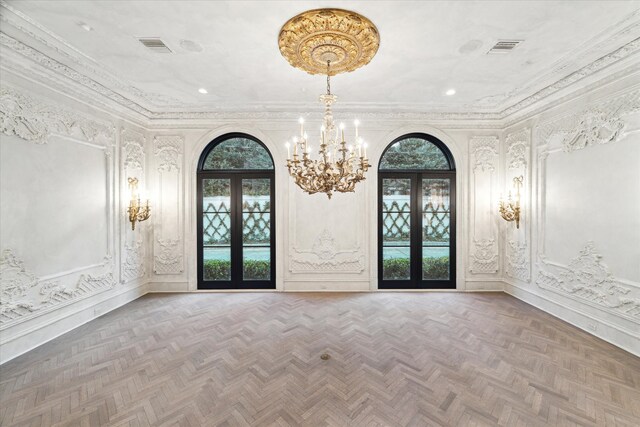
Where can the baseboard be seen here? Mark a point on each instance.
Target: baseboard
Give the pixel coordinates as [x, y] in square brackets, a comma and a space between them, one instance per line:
[613, 334]
[31, 334]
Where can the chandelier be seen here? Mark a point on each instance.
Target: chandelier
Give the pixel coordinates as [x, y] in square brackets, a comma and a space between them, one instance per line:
[341, 41]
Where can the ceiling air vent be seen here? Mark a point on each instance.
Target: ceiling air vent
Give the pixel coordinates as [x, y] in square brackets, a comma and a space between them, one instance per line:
[504, 46]
[155, 45]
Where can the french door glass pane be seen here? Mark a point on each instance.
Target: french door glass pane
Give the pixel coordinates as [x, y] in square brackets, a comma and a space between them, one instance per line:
[436, 229]
[396, 228]
[256, 229]
[256, 195]
[396, 263]
[216, 195]
[256, 263]
[435, 262]
[217, 263]
[396, 195]
[216, 228]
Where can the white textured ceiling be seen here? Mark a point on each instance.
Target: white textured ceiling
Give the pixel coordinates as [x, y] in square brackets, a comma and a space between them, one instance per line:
[426, 48]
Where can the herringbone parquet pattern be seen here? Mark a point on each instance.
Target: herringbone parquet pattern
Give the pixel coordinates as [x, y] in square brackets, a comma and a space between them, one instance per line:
[254, 359]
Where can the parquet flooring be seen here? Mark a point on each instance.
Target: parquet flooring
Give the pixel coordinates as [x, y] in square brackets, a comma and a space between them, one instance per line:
[396, 359]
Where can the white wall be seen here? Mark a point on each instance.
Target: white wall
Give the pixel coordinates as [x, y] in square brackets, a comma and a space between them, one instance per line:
[577, 253]
[66, 254]
[69, 255]
[348, 261]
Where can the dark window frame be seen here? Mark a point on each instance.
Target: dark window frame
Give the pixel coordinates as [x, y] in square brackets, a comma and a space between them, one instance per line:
[235, 176]
[416, 176]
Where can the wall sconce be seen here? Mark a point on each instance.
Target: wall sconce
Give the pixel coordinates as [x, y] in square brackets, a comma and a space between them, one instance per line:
[510, 210]
[137, 212]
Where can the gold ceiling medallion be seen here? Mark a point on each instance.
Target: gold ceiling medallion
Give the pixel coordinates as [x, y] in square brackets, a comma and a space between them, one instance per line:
[347, 39]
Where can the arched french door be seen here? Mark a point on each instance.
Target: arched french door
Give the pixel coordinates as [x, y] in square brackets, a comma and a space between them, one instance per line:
[236, 204]
[416, 215]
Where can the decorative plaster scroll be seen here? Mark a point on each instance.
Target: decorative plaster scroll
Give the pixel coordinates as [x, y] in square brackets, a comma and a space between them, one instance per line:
[587, 278]
[601, 123]
[485, 256]
[35, 121]
[517, 149]
[595, 127]
[168, 150]
[485, 151]
[324, 257]
[518, 260]
[133, 146]
[24, 295]
[133, 263]
[169, 257]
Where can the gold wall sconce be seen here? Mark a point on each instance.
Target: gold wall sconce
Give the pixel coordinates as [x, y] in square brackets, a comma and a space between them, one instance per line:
[137, 212]
[510, 210]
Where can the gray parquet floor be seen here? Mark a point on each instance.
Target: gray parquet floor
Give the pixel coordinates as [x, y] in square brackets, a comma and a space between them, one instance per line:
[396, 359]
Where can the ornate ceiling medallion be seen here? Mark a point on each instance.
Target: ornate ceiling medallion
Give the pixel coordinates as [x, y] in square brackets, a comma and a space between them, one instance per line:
[347, 39]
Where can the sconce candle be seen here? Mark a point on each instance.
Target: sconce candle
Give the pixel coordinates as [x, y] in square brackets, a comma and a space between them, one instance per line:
[137, 212]
[510, 210]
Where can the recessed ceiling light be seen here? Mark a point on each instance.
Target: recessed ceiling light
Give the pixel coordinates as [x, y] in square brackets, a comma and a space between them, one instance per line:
[450, 92]
[85, 26]
[202, 90]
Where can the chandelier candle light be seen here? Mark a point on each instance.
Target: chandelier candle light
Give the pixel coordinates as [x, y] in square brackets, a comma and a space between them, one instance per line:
[341, 41]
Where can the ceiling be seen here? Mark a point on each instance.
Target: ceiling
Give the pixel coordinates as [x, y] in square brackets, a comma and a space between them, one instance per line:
[426, 48]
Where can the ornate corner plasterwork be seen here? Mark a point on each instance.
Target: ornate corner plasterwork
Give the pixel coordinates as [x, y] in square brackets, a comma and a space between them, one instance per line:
[518, 261]
[484, 258]
[24, 295]
[517, 149]
[485, 151]
[133, 146]
[35, 121]
[324, 257]
[589, 279]
[168, 150]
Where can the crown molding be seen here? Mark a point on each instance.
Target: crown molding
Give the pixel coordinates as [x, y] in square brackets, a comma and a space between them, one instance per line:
[64, 68]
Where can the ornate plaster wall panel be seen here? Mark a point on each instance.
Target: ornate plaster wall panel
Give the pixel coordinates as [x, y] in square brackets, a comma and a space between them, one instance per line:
[325, 257]
[324, 239]
[68, 158]
[133, 161]
[484, 251]
[588, 279]
[568, 146]
[517, 247]
[168, 246]
[24, 295]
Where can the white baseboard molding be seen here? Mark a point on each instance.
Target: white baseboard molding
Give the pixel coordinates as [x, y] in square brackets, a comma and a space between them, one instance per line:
[26, 336]
[484, 285]
[613, 334]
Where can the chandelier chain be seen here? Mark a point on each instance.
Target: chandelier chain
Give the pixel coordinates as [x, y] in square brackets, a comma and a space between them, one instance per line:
[328, 77]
